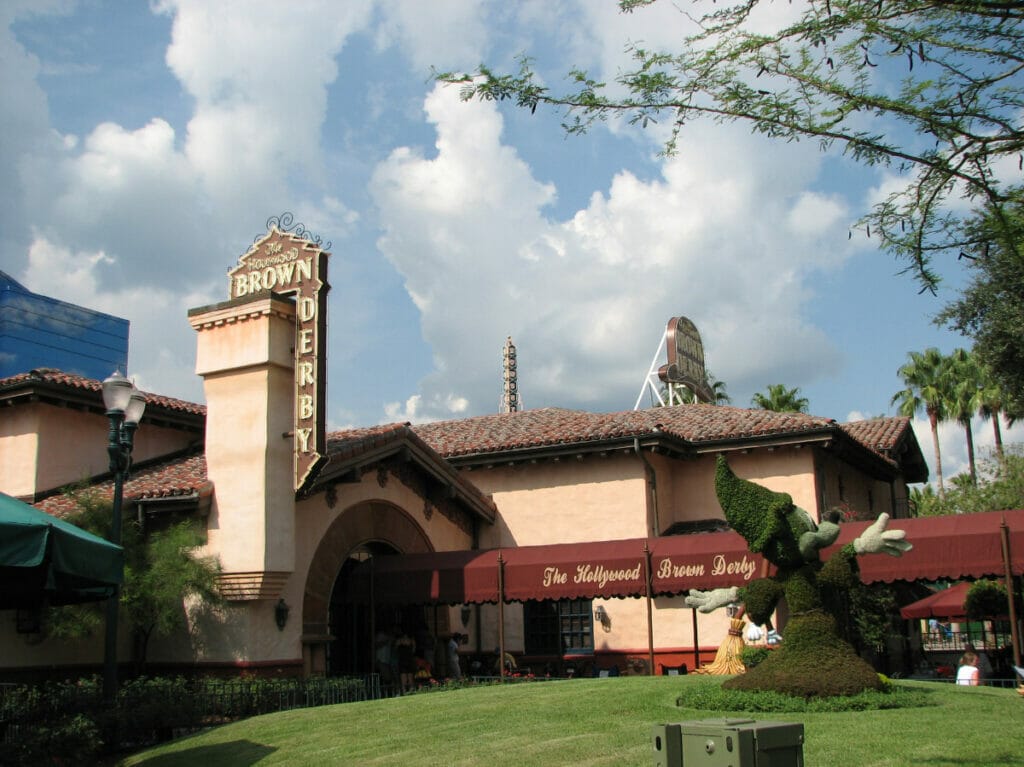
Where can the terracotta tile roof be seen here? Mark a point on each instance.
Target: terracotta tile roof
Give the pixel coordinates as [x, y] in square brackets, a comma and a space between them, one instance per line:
[349, 443]
[879, 434]
[354, 447]
[893, 438]
[555, 426]
[509, 432]
[174, 478]
[75, 383]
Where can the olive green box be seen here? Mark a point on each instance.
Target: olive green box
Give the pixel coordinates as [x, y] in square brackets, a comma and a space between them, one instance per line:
[729, 743]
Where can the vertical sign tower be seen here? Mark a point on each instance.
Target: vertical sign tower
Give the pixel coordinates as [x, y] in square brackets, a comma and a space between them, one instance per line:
[286, 263]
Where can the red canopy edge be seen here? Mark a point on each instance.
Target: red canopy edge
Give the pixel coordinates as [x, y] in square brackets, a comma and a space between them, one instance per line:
[575, 570]
[436, 577]
[952, 547]
[702, 561]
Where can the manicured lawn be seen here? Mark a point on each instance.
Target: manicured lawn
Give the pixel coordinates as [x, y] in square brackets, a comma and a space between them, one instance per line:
[595, 722]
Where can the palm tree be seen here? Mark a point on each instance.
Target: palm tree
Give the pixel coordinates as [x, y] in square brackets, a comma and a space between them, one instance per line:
[926, 381]
[991, 406]
[781, 400]
[922, 501]
[676, 394]
[718, 390]
[681, 394]
[965, 398]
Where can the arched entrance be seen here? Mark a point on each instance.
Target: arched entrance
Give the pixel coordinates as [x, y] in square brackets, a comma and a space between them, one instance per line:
[365, 632]
[337, 627]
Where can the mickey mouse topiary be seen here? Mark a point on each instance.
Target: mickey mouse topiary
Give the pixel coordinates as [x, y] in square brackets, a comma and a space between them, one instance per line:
[813, 659]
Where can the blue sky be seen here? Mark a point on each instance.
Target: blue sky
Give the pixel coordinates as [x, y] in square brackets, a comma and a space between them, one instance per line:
[145, 146]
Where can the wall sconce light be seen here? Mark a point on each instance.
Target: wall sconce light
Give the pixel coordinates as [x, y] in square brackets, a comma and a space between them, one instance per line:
[464, 614]
[602, 617]
[281, 610]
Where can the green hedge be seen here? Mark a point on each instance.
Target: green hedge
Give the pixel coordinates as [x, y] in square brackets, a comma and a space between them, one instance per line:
[68, 722]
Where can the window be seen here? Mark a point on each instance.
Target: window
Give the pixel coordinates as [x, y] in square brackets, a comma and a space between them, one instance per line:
[564, 627]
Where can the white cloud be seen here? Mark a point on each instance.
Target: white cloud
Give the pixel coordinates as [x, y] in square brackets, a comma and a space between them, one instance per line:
[27, 138]
[415, 410]
[467, 231]
[441, 33]
[147, 220]
[816, 213]
[259, 74]
[161, 343]
[148, 215]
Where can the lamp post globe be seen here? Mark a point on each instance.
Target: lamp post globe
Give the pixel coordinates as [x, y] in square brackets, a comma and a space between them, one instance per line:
[117, 391]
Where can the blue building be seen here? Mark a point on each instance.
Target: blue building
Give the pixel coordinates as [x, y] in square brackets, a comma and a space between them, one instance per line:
[41, 332]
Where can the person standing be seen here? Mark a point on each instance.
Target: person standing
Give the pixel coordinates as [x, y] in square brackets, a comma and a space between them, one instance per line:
[383, 653]
[967, 673]
[405, 658]
[454, 668]
[983, 663]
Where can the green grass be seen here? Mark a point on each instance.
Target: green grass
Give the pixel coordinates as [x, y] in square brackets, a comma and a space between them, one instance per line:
[595, 722]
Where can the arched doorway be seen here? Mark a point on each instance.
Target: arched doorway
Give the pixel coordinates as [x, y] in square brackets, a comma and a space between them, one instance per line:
[339, 626]
[365, 633]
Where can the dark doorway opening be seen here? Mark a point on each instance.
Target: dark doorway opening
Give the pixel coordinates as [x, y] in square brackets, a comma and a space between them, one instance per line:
[361, 631]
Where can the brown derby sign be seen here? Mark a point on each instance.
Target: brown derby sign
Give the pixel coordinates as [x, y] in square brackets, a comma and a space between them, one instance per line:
[685, 358]
[287, 264]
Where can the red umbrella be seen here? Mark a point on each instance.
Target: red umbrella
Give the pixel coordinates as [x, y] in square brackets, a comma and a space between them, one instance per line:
[948, 603]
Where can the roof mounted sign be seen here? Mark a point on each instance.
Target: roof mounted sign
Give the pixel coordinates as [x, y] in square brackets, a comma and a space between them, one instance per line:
[685, 359]
[288, 263]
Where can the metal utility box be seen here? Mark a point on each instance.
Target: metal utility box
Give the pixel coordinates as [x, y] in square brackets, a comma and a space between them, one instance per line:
[668, 745]
[729, 743]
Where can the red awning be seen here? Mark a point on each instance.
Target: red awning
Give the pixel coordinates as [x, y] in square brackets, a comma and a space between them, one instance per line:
[575, 570]
[948, 603]
[441, 577]
[953, 547]
[702, 561]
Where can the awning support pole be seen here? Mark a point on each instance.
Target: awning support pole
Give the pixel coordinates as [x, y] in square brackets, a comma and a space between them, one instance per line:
[696, 641]
[650, 616]
[1004, 532]
[373, 620]
[501, 616]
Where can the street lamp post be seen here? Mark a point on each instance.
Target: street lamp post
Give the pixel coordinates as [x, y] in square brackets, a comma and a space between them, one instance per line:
[125, 405]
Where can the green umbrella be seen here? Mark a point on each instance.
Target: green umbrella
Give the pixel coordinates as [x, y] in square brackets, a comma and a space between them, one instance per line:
[45, 559]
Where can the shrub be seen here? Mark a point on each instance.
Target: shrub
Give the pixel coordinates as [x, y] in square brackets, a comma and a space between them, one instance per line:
[71, 740]
[149, 710]
[812, 662]
[986, 599]
[714, 697]
[752, 656]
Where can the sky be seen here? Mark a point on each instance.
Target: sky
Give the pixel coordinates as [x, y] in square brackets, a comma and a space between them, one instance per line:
[143, 148]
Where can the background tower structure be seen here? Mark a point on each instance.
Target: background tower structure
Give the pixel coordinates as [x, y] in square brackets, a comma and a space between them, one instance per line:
[510, 390]
[683, 379]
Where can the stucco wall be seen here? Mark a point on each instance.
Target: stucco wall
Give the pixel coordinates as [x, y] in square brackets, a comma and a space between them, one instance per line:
[325, 535]
[30, 650]
[853, 491]
[784, 470]
[19, 450]
[569, 501]
[43, 447]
